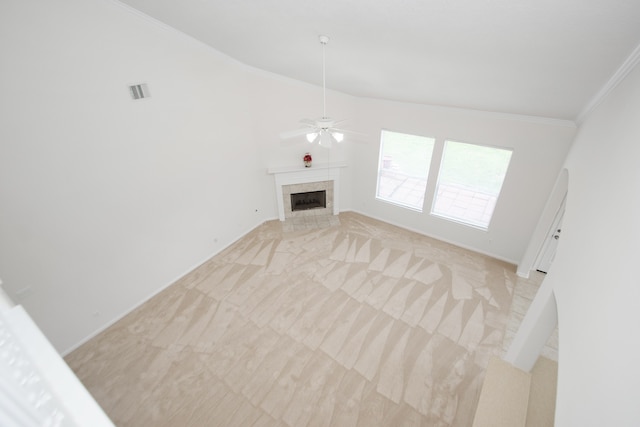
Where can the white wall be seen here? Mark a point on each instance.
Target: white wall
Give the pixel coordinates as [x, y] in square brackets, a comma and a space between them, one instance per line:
[595, 272]
[539, 149]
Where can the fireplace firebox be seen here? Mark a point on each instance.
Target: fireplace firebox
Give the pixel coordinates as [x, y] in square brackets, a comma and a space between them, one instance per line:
[308, 200]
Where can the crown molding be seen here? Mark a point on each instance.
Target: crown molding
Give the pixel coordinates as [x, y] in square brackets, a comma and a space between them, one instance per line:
[626, 67]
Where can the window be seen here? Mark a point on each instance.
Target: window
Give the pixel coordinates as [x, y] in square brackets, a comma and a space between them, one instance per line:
[403, 168]
[469, 182]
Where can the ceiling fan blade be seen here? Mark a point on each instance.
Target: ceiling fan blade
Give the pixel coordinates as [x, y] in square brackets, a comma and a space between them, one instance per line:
[308, 122]
[294, 133]
[349, 132]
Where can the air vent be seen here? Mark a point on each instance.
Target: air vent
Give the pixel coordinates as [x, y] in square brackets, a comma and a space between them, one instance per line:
[139, 91]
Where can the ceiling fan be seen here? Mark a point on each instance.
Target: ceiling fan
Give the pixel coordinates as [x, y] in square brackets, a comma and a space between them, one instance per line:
[320, 130]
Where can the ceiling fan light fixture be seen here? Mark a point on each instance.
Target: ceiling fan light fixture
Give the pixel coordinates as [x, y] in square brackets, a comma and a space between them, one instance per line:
[338, 136]
[326, 139]
[312, 137]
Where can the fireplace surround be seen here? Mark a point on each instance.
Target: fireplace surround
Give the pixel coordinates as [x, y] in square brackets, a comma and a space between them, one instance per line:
[308, 187]
[295, 179]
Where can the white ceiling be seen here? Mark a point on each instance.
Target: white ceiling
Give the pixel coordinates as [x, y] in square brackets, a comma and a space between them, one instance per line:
[544, 58]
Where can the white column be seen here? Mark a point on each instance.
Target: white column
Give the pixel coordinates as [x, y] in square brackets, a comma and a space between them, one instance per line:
[536, 328]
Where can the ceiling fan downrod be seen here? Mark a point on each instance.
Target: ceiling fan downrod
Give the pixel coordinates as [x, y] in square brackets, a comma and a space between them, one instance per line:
[323, 41]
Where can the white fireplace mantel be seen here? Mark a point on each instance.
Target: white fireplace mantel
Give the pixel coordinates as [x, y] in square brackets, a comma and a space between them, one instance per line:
[287, 175]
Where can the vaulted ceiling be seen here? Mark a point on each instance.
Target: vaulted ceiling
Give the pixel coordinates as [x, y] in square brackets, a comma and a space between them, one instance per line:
[545, 58]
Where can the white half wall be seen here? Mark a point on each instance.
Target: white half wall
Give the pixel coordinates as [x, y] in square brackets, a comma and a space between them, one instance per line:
[536, 328]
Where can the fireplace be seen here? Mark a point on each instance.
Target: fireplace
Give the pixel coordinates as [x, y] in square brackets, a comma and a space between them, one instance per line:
[294, 180]
[308, 200]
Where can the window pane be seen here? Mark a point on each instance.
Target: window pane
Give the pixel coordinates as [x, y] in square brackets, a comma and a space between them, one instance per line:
[469, 182]
[403, 168]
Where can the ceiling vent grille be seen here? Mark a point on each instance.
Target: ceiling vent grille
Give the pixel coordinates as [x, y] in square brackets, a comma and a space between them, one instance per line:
[139, 91]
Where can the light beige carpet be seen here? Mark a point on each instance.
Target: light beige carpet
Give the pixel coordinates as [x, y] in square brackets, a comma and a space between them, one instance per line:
[360, 324]
[505, 396]
[542, 400]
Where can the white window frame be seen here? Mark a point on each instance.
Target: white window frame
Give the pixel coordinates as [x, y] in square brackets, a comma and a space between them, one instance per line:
[383, 167]
[479, 200]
